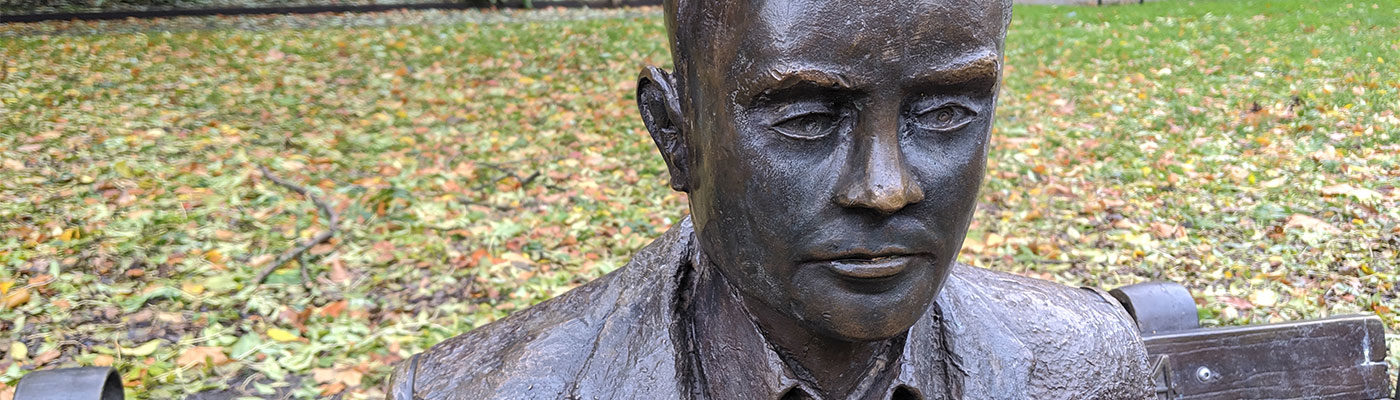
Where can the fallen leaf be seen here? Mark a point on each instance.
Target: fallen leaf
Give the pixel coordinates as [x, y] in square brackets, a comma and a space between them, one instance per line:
[192, 288]
[143, 350]
[1310, 224]
[68, 235]
[103, 360]
[16, 298]
[1237, 302]
[338, 273]
[334, 309]
[225, 235]
[18, 351]
[202, 355]
[40, 280]
[214, 256]
[347, 375]
[973, 245]
[281, 335]
[321, 249]
[994, 240]
[1342, 189]
[331, 389]
[45, 357]
[1263, 298]
[258, 261]
[1167, 231]
[14, 165]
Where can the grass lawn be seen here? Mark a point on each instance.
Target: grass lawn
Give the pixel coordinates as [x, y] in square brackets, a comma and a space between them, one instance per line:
[482, 163]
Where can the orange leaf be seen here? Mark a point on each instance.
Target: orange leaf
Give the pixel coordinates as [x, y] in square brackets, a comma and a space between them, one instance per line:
[332, 389]
[334, 310]
[338, 273]
[16, 298]
[45, 357]
[214, 256]
[205, 355]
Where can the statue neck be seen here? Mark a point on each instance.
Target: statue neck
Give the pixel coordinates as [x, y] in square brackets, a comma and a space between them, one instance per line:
[833, 366]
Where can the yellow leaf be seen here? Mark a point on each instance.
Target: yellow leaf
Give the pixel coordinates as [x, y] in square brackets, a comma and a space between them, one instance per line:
[18, 351]
[994, 240]
[192, 288]
[281, 335]
[144, 349]
[214, 256]
[5, 286]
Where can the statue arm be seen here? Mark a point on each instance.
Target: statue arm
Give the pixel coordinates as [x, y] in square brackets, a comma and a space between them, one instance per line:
[401, 382]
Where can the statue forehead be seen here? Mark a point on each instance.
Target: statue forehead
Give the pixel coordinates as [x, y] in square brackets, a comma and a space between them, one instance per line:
[846, 30]
[883, 19]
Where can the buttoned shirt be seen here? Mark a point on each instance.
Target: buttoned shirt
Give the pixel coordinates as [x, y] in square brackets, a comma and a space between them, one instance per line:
[647, 331]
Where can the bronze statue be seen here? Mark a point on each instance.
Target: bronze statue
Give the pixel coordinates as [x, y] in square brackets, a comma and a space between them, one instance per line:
[832, 151]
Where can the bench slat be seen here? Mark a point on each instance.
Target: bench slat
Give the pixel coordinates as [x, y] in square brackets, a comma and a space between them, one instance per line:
[1333, 358]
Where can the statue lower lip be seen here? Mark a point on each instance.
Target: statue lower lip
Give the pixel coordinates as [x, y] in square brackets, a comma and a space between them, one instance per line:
[867, 269]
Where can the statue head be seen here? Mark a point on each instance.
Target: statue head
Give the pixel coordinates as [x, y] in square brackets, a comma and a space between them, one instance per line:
[832, 150]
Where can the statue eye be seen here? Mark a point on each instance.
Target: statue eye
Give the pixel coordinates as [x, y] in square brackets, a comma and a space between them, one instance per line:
[945, 118]
[807, 124]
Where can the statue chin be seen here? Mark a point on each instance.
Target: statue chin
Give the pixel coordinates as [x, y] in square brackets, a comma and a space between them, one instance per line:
[830, 309]
[866, 325]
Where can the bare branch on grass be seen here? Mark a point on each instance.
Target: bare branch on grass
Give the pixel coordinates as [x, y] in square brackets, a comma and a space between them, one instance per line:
[332, 226]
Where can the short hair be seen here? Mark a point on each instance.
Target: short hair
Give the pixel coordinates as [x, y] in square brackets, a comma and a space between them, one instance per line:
[683, 27]
[690, 24]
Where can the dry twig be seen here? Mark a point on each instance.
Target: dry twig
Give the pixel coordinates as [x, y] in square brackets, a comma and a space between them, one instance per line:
[332, 226]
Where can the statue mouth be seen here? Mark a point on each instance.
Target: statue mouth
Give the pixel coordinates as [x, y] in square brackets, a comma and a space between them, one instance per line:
[865, 267]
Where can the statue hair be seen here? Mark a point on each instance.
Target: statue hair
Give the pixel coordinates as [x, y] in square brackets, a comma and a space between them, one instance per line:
[688, 21]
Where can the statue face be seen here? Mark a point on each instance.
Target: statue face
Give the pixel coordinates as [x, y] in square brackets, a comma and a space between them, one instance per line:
[833, 151]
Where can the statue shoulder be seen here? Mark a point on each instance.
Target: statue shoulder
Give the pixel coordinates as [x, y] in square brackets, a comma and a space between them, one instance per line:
[1074, 336]
[1017, 295]
[561, 346]
[535, 350]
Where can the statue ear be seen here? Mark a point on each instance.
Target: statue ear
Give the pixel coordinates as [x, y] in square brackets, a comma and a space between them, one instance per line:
[661, 112]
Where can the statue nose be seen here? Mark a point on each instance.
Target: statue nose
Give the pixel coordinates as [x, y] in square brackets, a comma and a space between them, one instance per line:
[878, 178]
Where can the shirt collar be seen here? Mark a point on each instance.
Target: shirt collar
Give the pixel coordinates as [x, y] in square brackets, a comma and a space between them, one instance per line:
[753, 368]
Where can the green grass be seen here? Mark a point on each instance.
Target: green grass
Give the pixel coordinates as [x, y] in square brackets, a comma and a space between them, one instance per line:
[1174, 140]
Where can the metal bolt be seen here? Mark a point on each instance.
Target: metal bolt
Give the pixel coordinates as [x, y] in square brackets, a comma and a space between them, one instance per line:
[1204, 374]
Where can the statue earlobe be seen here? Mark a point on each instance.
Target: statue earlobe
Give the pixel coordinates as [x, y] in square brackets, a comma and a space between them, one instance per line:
[660, 107]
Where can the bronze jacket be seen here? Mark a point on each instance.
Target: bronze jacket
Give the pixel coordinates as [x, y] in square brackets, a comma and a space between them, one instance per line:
[1004, 336]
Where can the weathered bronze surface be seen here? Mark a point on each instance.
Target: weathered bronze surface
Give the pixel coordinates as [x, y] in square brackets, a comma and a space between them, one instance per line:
[1332, 358]
[832, 151]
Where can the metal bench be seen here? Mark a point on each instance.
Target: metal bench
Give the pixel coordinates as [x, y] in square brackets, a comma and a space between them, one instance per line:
[1339, 358]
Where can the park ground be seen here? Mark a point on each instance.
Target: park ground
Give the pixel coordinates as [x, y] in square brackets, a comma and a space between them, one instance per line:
[482, 162]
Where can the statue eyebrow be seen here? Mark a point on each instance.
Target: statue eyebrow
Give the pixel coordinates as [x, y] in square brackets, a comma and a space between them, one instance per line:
[979, 67]
[779, 78]
[976, 68]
